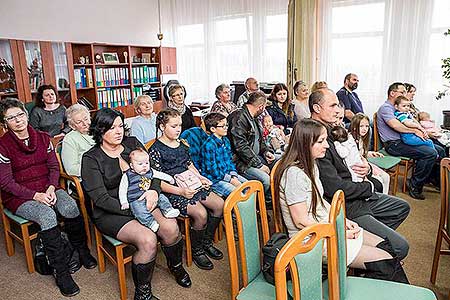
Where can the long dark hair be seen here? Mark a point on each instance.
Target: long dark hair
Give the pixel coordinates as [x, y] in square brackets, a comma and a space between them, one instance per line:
[354, 130]
[305, 134]
[286, 105]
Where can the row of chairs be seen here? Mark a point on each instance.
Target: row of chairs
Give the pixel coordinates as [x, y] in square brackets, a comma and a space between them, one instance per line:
[304, 259]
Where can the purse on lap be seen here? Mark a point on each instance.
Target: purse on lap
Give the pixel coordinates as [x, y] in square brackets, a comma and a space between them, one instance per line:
[189, 180]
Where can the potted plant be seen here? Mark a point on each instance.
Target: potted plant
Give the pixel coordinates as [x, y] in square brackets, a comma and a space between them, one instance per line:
[446, 75]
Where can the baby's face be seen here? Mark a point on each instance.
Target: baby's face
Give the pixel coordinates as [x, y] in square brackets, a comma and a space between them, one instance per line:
[268, 123]
[140, 163]
[403, 106]
[425, 117]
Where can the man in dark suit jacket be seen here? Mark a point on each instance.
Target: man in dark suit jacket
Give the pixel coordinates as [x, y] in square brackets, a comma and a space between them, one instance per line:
[378, 213]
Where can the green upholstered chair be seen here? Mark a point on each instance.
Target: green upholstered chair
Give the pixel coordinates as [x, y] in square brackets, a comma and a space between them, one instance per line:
[443, 229]
[25, 237]
[278, 224]
[366, 288]
[304, 260]
[391, 165]
[243, 203]
[406, 162]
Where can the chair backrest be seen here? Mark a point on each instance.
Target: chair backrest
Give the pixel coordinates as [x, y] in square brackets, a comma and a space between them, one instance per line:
[303, 254]
[149, 144]
[337, 219]
[167, 87]
[278, 224]
[377, 145]
[243, 203]
[445, 190]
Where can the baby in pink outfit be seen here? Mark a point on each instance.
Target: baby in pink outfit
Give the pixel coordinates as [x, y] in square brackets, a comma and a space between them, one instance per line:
[443, 136]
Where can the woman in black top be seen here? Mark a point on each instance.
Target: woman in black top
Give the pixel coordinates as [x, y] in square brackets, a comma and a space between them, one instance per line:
[176, 101]
[282, 110]
[101, 170]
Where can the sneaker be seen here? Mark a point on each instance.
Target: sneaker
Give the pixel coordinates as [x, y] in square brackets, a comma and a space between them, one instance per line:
[171, 213]
[154, 226]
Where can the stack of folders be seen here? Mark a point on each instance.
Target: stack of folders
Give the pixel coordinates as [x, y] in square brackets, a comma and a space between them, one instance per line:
[83, 78]
[111, 76]
[111, 98]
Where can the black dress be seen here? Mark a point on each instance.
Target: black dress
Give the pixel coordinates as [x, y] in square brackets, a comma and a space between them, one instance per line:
[174, 161]
[101, 178]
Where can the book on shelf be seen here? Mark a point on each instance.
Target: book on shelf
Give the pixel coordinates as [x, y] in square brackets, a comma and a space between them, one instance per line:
[84, 101]
[83, 78]
[111, 98]
[111, 76]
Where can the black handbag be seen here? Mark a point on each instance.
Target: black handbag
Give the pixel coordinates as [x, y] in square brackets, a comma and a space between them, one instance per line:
[41, 261]
[270, 251]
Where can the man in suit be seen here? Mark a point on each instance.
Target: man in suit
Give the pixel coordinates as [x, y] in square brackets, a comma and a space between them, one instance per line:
[378, 213]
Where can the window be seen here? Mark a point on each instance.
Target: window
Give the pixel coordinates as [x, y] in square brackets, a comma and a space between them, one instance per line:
[275, 49]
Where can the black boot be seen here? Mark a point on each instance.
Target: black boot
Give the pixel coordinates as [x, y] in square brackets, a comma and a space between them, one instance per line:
[57, 258]
[77, 237]
[208, 246]
[142, 276]
[386, 269]
[174, 256]
[198, 254]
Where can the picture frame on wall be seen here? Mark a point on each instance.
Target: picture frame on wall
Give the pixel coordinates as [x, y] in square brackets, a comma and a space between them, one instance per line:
[110, 58]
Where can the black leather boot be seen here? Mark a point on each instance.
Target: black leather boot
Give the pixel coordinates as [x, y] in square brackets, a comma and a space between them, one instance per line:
[174, 257]
[386, 269]
[208, 246]
[142, 276]
[198, 254]
[77, 237]
[398, 274]
[57, 259]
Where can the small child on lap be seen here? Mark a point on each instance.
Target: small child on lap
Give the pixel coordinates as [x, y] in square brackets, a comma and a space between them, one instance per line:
[134, 185]
[217, 164]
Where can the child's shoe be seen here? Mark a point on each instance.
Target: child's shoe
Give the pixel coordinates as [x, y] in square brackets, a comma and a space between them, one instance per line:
[171, 213]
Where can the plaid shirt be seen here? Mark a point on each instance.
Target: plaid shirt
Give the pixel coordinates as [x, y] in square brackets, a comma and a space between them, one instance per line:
[195, 137]
[217, 163]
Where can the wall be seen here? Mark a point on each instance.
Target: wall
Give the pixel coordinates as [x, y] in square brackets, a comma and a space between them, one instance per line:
[108, 21]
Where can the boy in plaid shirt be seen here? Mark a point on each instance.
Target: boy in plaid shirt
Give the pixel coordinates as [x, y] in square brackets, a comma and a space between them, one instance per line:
[216, 159]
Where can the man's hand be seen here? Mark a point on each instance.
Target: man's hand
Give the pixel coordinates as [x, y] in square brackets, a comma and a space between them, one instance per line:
[151, 198]
[422, 134]
[269, 157]
[361, 169]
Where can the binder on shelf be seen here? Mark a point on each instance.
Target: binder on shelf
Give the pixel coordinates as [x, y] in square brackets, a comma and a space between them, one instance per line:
[85, 102]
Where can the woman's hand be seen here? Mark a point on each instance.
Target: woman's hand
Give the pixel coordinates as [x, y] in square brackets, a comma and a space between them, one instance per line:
[43, 198]
[353, 229]
[151, 198]
[51, 193]
[188, 193]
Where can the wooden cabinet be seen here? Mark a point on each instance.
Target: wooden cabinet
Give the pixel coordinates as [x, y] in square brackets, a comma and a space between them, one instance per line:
[168, 60]
[11, 84]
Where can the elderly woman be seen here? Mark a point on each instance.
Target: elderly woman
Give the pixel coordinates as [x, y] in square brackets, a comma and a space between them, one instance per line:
[29, 188]
[301, 105]
[223, 104]
[176, 101]
[144, 125]
[78, 141]
[47, 114]
[101, 169]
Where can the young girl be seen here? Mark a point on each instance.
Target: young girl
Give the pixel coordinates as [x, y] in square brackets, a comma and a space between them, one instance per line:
[359, 128]
[282, 110]
[171, 155]
[299, 197]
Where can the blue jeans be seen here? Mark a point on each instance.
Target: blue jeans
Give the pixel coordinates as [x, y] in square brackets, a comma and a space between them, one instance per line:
[413, 140]
[257, 174]
[223, 188]
[143, 215]
[425, 158]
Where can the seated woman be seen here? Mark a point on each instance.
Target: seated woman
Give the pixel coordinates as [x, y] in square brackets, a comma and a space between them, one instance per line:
[29, 188]
[144, 125]
[223, 105]
[299, 196]
[78, 141]
[101, 169]
[301, 101]
[318, 85]
[281, 110]
[170, 155]
[47, 114]
[176, 101]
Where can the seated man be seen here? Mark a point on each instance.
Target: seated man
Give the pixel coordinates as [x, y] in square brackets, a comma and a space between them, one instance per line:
[349, 98]
[195, 137]
[251, 155]
[378, 213]
[427, 158]
[251, 85]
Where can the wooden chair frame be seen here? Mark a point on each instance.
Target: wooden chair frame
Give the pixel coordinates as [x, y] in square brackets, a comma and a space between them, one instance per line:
[25, 238]
[296, 246]
[278, 225]
[407, 164]
[443, 229]
[241, 194]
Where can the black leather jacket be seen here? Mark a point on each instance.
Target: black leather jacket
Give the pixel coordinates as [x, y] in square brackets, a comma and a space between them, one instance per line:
[242, 136]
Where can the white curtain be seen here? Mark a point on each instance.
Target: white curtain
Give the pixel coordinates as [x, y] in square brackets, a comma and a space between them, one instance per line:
[224, 41]
[384, 41]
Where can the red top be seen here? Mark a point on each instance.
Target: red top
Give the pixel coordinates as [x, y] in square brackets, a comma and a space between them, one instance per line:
[26, 167]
